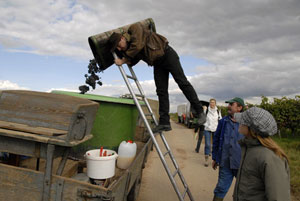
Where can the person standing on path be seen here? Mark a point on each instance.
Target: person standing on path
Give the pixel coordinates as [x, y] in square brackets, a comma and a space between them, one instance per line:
[213, 115]
[264, 171]
[199, 132]
[226, 151]
[140, 43]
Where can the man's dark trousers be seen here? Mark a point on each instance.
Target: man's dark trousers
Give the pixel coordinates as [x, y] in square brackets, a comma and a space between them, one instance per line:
[169, 63]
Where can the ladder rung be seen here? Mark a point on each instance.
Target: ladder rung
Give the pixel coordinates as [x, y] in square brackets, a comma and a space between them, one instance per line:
[184, 193]
[139, 95]
[166, 152]
[152, 134]
[130, 77]
[176, 171]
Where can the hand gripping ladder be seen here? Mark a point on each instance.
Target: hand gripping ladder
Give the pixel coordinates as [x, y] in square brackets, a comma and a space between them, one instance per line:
[161, 155]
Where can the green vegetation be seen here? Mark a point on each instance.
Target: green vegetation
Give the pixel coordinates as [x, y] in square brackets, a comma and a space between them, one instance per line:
[291, 146]
[223, 110]
[286, 111]
[174, 117]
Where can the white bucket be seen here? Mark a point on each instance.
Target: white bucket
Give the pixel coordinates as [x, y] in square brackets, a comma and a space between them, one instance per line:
[100, 167]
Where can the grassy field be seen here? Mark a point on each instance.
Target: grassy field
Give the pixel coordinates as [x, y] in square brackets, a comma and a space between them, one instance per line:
[291, 146]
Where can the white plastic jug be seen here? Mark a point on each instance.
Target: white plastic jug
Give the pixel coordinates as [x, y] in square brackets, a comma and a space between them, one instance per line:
[126, 154]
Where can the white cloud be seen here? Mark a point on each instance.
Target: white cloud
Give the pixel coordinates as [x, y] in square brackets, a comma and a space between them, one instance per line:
[62, 89]
[7, 85]
[252, 47]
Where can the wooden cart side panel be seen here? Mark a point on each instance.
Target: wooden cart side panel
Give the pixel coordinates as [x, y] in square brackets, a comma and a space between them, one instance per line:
[135, 168]
[77, 190]
[16, 184]
[27, 185]
[118, 189]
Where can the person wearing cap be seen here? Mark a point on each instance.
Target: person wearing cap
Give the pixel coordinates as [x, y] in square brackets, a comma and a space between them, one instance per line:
[264, 171]
[140, 43]
[226, 152]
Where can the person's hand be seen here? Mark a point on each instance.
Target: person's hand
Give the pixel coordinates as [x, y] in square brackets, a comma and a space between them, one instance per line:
[214, 165]
[119, 62]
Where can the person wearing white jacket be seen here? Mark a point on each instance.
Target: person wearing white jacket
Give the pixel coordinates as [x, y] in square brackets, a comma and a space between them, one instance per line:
[213, 115]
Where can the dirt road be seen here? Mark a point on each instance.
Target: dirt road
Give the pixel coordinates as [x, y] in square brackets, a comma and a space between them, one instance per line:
[201, 180]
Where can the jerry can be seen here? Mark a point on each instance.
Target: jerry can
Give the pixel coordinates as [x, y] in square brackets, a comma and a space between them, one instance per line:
[126, 154]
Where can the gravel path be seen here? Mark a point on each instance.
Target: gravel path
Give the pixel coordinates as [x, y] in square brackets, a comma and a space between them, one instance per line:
[156, 185]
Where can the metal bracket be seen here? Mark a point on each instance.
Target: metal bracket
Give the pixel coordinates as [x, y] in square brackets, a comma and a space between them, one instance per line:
[48, 171]
[89, 194]
[59, 190]
[63, 161]
[79, 127]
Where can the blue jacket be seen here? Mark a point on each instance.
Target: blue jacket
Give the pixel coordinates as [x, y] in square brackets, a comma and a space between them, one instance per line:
[231, 152]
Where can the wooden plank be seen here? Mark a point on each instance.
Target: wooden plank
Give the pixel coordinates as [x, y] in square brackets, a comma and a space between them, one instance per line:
[29, 129]
[23, 135]
[69, 170]
[59, 140]
[48, 173]
[24, 184]
[136, 165]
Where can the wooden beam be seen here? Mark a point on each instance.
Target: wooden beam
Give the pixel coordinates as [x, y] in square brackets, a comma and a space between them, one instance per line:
[29, 129]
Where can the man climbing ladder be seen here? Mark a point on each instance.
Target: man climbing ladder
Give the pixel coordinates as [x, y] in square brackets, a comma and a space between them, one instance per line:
[139, 43]
[136, 42]
[169, 152]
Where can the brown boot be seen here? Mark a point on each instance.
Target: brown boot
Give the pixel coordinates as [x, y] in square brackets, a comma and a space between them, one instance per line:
[206, 161]
[218, 199]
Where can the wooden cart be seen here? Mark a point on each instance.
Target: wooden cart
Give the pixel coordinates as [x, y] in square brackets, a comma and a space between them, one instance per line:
[46, 126]
[23, 184]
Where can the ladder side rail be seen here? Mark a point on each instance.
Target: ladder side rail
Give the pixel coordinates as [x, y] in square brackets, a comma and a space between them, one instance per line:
[169, 151]
[149, 108]
[176, 166]
[151, 133]
[143, 94]
[190, 194]
[162, 158]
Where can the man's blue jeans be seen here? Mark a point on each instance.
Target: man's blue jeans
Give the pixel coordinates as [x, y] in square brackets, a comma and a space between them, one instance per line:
[207, 148]
[224, 181]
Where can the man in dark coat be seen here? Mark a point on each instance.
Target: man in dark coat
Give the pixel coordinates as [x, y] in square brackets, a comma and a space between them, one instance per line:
[142, 44]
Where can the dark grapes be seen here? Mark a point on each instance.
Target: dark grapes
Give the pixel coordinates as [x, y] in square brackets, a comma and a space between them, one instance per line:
[91, 79]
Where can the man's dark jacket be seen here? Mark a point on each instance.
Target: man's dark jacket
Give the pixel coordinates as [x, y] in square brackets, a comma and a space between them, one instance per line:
[144, 45]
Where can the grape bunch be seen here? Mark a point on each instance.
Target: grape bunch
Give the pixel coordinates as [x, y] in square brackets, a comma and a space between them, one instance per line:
[91, 78]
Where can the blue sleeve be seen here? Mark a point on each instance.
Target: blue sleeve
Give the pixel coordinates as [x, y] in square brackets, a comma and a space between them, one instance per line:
[216, 139]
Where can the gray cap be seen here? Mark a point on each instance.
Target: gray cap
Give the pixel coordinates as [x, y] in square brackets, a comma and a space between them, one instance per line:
[259, 120]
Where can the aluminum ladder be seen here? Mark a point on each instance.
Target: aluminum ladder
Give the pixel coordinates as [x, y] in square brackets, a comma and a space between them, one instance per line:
[162, 156]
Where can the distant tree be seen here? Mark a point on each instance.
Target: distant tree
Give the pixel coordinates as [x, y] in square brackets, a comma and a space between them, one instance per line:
[286, 111]
[223, 110]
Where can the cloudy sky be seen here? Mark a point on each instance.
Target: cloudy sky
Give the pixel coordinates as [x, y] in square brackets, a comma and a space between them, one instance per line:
[245, 48]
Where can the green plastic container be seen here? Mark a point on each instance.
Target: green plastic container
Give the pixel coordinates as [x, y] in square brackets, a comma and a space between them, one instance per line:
[101, 49]
[115, 121]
